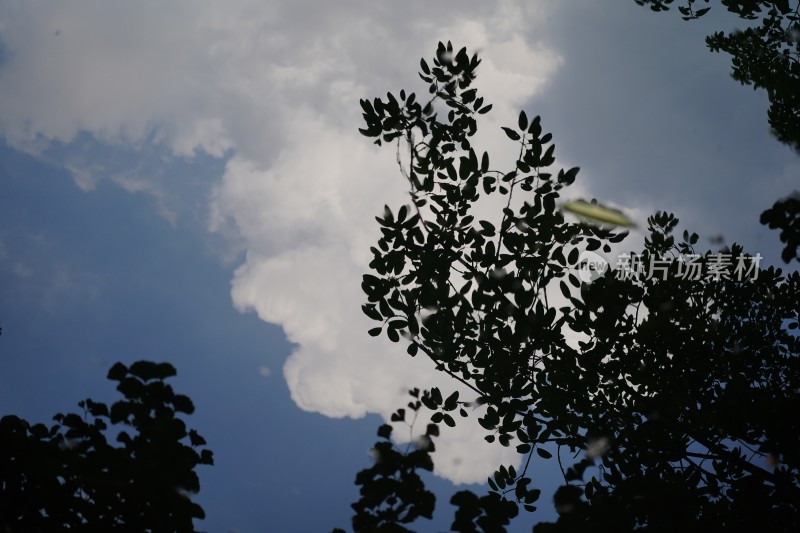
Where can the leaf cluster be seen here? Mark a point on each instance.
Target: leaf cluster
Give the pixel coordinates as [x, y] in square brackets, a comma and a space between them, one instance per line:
[671, 390]
[767, 56]
[785, 216]
[70, 477]
[392, 492]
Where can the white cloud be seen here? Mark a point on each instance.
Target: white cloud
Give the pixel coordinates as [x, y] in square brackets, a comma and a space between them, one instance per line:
[276, 89]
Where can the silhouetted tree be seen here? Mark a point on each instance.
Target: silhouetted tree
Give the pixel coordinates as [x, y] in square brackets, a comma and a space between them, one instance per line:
[70, 478]
[671, 379]
[767, 56]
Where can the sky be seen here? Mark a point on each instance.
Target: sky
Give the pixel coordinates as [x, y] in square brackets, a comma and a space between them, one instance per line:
[185, 182]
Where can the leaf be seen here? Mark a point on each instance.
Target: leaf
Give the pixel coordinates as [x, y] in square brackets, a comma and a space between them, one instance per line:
[401, 215]
[511, 134]
[544, 454]
[366, 106]
[436, 395]
[523, 121]
[117, 372]
[398, 324]
[195, 439]
[424, 66]
[487, 423]
[568, 177]
[148, 370]
[598, 213]
[573, 256]
[549, 202]
[564, 289]
[385, 431]
[371, 312]
[183, 404]
[451, 402]
[206, 457]
[487, 228]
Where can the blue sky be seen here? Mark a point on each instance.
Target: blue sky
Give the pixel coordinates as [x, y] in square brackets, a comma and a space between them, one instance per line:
[185, 182]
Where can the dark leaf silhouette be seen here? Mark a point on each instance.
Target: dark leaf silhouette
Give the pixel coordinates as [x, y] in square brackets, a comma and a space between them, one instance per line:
[663, 388]
[766, 56]
[70, 478]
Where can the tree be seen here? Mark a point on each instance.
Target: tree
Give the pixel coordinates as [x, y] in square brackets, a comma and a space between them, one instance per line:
[766, 55]
[69, 477]
[670, 379]
[785, 216]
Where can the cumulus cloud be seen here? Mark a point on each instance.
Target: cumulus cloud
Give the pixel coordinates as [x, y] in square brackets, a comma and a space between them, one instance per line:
[308, 221]
[274, 88]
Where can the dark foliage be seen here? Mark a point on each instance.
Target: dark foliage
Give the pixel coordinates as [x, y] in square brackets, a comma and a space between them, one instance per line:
[664, 388]
[767, 56]
[785, 216]
[392, 493]
[70, 478]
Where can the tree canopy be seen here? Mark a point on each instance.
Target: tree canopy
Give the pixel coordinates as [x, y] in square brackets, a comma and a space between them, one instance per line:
[663, 386]
[766, 56]
[69, 477]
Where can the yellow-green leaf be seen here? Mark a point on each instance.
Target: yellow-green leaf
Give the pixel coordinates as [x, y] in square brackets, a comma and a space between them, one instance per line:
[598, 213]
